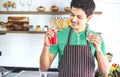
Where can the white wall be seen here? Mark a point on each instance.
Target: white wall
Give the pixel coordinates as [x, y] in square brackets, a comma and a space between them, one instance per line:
[20, 49]
[23, 50]
[111, 29]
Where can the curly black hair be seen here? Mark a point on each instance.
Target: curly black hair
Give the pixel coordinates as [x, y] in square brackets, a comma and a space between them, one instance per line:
[109, 54]
[86, 5]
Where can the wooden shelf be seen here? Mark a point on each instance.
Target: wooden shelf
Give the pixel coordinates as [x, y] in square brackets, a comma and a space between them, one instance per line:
[25, 32]
[34, 12]
[43, 13]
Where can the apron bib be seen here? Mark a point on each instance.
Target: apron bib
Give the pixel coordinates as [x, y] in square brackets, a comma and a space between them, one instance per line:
[77, 61]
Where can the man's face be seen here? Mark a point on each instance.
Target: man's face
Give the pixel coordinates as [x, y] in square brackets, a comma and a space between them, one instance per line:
[78, 18]
[109, 58]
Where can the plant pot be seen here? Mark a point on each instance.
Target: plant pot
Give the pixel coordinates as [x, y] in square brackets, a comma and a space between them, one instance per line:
[9, 8]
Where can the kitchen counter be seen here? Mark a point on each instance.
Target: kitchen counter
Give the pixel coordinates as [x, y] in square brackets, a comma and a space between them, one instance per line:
[32, 74]
[26, 72]
[11, 75]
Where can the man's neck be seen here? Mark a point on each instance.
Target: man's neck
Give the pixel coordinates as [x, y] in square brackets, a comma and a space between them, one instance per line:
[79, 30]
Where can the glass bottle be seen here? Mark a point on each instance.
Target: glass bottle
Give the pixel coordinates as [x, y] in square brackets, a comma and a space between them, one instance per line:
[54, 40]
[67, 22]
[61, 23]
[55, 22]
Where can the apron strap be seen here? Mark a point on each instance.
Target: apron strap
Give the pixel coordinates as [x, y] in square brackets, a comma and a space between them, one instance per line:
[68, 42]
[87, 33]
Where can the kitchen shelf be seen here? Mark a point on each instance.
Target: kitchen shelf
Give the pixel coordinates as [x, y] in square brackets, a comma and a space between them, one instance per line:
[44, 13]
[25, 32]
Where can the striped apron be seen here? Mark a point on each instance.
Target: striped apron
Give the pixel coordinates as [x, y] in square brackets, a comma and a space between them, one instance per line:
[77, 61]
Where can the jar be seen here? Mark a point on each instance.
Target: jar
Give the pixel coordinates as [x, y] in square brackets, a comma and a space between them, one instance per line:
[38, 28]
[31, 28]
[45, 28]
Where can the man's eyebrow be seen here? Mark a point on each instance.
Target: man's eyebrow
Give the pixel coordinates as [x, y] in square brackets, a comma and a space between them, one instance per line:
[77, 15]
[71, 12]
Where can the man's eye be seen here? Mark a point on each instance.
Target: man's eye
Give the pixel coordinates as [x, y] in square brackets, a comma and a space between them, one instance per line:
[72, 15]
[80, 18]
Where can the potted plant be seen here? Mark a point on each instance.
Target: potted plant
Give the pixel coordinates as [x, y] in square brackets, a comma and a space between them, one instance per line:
[114, 70]
[9, 5]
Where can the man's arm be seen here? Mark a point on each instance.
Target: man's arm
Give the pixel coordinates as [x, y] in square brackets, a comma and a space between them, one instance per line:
[101, 59]
[102, 62]
[46, 59]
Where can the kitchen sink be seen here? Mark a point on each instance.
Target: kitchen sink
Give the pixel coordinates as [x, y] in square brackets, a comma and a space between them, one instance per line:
[4, 72]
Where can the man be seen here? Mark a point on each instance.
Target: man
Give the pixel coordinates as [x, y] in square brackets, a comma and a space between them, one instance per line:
[109, 57]
[76, 53]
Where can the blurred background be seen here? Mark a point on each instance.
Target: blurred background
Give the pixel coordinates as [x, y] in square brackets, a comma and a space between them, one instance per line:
[23, 50]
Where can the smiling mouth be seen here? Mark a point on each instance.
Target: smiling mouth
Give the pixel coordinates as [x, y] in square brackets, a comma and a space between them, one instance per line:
[73, 23]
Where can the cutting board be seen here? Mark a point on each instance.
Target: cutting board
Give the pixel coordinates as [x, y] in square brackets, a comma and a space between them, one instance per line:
[18, 19]
[17, 23]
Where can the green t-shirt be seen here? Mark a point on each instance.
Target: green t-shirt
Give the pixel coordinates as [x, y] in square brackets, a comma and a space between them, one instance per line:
[75, 39]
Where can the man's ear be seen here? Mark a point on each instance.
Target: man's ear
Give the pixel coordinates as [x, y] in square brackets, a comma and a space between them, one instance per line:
[89, 17]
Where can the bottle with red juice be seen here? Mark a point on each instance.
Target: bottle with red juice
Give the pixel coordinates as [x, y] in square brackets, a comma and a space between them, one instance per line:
[54, 40]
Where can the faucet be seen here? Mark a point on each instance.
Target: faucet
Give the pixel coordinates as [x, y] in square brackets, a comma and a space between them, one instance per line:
[2, 70]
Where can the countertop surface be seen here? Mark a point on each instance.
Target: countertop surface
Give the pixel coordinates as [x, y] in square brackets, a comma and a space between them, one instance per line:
[11, 75]
[33, 74]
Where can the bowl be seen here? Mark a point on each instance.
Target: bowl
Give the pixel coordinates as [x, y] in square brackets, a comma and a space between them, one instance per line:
[54, 8]
[67, 9]
[41, 9]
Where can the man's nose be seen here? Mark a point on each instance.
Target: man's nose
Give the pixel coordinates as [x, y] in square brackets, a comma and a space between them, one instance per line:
[74, 19]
